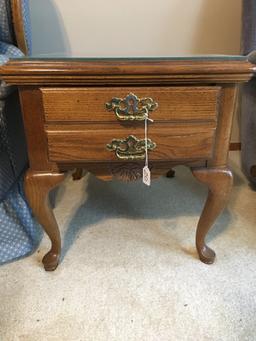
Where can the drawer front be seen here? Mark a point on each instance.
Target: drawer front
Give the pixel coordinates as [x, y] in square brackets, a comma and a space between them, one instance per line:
[95, 142]
[130, 103]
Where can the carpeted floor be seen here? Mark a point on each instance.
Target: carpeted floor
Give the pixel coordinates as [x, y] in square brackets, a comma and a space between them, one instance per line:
[130, 270]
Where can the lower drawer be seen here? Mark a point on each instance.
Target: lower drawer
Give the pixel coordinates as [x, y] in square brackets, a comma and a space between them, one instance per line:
[92, 142]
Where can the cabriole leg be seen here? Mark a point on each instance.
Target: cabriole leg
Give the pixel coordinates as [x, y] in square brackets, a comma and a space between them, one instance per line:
[219, 182]
[78, 174]
[170, 173]
[37, 188]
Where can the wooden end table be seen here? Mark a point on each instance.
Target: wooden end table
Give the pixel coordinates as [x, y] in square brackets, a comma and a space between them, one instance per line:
[90, 114]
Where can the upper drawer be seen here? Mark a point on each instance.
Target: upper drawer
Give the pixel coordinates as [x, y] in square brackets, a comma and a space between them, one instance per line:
[113, 104]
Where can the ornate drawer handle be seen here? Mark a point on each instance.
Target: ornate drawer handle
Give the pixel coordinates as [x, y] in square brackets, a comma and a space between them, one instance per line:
[131, 148]
[131, 108]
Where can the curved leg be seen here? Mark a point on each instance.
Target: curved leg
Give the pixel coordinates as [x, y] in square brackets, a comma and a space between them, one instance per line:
[170, 173]
[37, 187]
[219, 182]
[78, 174]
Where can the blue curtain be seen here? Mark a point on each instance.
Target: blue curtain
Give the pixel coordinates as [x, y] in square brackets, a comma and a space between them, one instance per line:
[19, 232]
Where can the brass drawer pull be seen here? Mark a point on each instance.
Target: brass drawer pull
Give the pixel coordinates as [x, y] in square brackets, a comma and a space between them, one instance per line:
[131, 108]
[131, 148]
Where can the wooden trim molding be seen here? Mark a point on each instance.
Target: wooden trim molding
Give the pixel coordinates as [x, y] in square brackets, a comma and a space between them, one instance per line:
[19, 25]
[235, 146]
[253, 171]
[124, 71]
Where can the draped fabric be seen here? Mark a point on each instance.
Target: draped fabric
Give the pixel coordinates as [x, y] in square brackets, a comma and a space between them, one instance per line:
[7, 51]
[19, 232]
[6, 29]
[248, 98]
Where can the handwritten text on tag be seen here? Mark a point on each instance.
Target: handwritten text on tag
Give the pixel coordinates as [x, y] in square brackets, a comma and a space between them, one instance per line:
[146, 176]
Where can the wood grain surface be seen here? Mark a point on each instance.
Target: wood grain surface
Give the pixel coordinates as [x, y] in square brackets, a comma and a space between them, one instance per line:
[89, 104]
[18, 24]
[130, 72]
[88, 142]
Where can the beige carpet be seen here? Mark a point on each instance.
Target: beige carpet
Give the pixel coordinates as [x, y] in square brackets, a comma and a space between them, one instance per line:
[130, 270]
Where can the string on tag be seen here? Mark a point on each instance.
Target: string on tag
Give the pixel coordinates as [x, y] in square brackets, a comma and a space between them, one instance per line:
[146, 170]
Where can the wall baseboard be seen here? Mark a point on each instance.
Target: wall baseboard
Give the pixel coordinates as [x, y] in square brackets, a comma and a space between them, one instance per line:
[235, 146]
[253, 171]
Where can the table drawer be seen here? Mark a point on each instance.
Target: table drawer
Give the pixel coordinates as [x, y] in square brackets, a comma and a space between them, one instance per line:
[89, 142]
[130, 103]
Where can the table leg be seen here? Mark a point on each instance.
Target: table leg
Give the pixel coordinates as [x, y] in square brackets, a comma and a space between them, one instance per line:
[170, 173]
[78, 174]
[37, 188]
[219, 182]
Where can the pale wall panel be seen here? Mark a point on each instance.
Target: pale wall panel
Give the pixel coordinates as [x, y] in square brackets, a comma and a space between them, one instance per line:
[135, 27]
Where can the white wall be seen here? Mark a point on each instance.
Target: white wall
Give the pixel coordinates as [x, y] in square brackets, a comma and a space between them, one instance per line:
[136, 28]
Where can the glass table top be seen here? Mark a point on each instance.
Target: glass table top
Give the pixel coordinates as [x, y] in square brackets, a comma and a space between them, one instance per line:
[171, 58]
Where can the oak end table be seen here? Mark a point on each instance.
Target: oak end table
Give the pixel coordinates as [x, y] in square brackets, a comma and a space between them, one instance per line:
[91, 114]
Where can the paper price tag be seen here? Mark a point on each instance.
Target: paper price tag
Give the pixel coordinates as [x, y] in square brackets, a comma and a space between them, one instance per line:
[146, 176]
